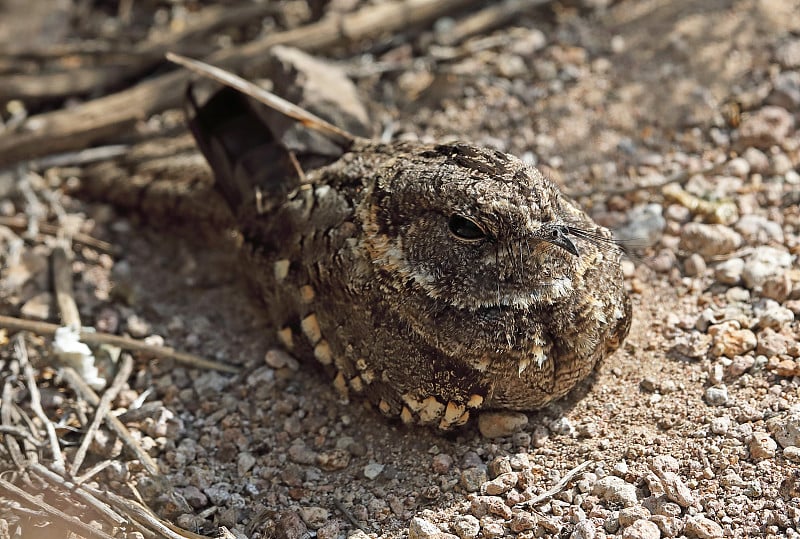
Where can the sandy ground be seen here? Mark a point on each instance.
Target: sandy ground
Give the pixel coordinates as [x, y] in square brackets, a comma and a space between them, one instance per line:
[687, 430]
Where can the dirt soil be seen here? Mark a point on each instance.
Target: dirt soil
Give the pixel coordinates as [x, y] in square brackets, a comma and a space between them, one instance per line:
[691, 429]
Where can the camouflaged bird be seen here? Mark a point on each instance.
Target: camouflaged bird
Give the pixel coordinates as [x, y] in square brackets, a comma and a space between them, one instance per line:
[436, 280]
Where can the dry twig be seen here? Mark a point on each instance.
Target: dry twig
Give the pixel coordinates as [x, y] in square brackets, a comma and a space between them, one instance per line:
[126, 343]
[36, 403]
[111, 516]
[138, 512]
[120, 66]
[6, 412]
[62, 283]
[78, 384]
[102, 411]
[99, 119]
[558, 487]
[21, 223]
[71, 522]
[490, 17]
[19, 432]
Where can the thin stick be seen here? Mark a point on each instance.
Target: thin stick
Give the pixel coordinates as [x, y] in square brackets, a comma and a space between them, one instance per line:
[91, 472]
[19, 432]
[105, 117]
[79, 385]
[5, 416]
[118, 66]
[561, 485]
[102, 411]
[95, 338]
[36, 403]
[348, 515]
[340, 136]
[137, 511]
[113, 518]
[492, 16]
[22, 223]
[72, 522]
[62, 283]
[80, 157]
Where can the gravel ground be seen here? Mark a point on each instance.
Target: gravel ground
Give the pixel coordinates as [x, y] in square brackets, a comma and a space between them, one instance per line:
[691, 429]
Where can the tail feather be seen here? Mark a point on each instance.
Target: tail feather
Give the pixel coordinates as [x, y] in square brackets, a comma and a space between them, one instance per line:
[254, 141]
[229, 134]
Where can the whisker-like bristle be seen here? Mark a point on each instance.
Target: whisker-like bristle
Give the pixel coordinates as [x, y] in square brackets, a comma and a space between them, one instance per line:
[605, 243]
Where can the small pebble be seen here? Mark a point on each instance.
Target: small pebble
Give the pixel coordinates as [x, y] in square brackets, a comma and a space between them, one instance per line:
[778, 288]
[759, 229]
[615, 490]
[498, 466]
[775, 317]
[500, 485]
[330, 530]
[501, 424]
[786, 90]
[765, 127]
[738, 167]
[694, 266]
[717, 395]
[562, 426]
[278, 359]
[730, 341]
[540, 436]
[758, 160]
[419, 528]
[709, 240]
[721, 425]
[472, 479]
[467, 527]
[373, 470]
[786, 367]
[195, 497]
[764, 262]
[137, 326]
[642, 529]
[441, 463]
[762, 446]
[676, 490]
[330, 461]
[629, 515]
[669, 526]
[585, 529]
[729, 271]
[792, 453]
[771, 343]
[244, 463]
[314, 517]
[523, 521]
[786, 428]
[481, 506]
[740, 365]
[788, 53]
[700, 527]
[492, 529]
[715, 374]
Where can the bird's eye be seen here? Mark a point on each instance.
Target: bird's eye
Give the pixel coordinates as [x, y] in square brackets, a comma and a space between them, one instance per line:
[465, 229]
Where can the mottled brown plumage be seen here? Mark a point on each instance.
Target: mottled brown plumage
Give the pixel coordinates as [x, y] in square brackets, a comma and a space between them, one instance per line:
[436, 280]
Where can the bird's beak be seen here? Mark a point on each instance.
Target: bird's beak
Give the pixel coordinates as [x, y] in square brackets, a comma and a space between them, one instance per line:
[558, 236]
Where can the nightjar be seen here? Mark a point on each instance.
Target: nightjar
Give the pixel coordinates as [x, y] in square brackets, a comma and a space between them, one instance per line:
[435, 280]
